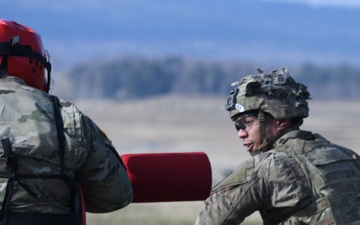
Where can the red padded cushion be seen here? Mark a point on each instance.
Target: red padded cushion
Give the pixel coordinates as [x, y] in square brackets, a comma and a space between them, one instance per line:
[163, 177]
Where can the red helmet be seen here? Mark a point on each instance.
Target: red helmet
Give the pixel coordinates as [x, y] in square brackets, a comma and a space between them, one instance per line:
[22, 55]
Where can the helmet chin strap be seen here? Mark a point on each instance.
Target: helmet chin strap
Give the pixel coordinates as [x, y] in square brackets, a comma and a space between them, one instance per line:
[265, 143]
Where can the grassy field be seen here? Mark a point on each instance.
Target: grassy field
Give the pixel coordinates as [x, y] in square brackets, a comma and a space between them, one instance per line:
[182, 124]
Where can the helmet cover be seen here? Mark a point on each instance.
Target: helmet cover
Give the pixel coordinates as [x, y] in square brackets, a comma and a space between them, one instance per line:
[276, 93]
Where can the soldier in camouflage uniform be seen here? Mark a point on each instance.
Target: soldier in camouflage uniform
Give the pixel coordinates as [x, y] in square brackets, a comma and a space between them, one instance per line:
[294, 176]
[48, 147]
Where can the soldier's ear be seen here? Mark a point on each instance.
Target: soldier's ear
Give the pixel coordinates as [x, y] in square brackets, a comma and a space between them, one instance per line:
[283, 124]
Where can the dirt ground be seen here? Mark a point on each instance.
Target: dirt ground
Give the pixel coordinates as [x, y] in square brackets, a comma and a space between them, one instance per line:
[195, 123]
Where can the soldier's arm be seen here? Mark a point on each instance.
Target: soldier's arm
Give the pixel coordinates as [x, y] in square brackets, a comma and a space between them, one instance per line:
[271, 183]
[102, 175]
[236, 197]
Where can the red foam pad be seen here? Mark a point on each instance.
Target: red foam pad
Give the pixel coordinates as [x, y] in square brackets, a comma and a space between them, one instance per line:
[164, 177]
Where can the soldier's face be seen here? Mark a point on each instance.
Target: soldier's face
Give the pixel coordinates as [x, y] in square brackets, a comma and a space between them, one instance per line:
[249, 131]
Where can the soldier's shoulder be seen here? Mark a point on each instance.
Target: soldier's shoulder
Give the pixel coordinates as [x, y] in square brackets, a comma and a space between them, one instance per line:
[238, 176]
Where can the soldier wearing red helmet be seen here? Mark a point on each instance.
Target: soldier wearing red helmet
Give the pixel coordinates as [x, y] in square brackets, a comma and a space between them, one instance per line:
[50, 151]
[22, 55]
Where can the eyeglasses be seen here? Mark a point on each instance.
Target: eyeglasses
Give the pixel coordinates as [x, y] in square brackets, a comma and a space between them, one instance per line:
[246, 123]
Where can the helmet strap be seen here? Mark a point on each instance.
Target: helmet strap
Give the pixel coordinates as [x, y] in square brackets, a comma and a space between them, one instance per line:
[261, 118]
[265, 143]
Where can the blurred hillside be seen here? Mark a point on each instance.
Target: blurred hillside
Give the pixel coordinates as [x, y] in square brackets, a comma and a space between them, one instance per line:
[136, 49]
[140, 77]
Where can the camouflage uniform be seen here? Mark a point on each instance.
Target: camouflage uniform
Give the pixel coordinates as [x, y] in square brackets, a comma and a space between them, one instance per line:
[297, 178]
[27, 119]
[304, 179]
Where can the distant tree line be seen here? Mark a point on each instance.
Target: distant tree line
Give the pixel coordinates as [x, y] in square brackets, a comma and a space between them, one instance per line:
[139, 77]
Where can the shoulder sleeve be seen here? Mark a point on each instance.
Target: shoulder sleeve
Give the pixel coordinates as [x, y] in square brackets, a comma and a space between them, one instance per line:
[236, 197]
[272, 183]
[287, 185]
[100, 170]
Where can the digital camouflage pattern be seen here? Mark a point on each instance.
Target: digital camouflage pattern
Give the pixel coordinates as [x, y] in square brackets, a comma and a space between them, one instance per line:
[276, 93]
[304, 179]
[27, 119]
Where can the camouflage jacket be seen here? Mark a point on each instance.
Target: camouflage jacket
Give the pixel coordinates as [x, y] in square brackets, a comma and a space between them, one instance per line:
[304, 179]
[27, 119]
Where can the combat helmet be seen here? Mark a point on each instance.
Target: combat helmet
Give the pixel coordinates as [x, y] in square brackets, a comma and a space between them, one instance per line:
[22, 55]
[276, 93]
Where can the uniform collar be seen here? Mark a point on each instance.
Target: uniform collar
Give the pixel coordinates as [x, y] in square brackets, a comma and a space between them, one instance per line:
[4, 77]
[300, 134]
